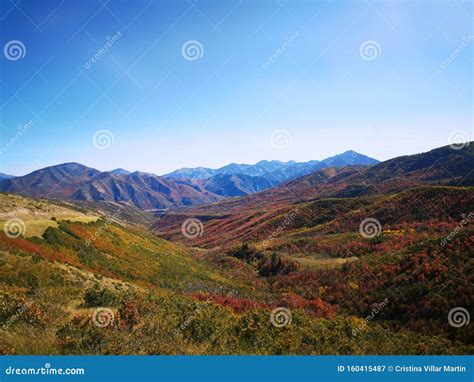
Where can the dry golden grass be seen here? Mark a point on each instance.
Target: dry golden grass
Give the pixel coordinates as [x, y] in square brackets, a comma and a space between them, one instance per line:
[312, 263]
[37, 215]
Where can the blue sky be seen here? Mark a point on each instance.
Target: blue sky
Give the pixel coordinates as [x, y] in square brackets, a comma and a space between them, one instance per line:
[296, 66]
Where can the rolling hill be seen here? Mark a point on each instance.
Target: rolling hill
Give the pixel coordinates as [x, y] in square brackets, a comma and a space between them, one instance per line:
[73, 181]
[55, 182]
[143, 190]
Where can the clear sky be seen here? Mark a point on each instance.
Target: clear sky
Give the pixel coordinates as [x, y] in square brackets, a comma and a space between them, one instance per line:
[382, 78]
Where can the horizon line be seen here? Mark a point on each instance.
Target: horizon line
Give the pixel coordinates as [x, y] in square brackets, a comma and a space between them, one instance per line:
[195, 167]
[250, 164]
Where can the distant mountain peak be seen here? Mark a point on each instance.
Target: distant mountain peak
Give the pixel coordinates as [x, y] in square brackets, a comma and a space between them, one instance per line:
[74, 181]
[275, 171]
[67, 165]
[141, 173]
[349, 158]
[120, 171]
[273, 161]
[353, 153]
[183, 187]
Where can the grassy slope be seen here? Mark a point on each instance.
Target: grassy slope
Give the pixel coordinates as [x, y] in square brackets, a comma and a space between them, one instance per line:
[283, 223]
[155, 282]
[37, 215]
[56, 322]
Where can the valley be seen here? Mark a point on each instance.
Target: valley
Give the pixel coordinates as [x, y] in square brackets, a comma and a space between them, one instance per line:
[361, 258]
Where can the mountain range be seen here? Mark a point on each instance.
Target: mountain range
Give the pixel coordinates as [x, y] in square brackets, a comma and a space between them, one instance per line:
[327, 247]
[186, 187]
[275, 171]
[443, 166]
[265, 183]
